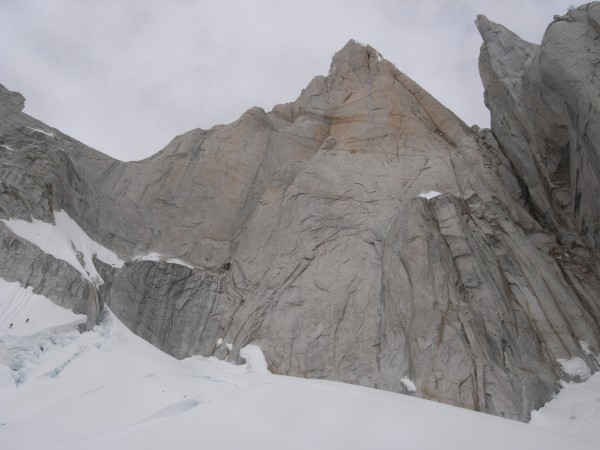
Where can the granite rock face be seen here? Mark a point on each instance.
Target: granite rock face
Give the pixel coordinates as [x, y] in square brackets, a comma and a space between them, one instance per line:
[37, 175]
[545, 114]
[362, 233]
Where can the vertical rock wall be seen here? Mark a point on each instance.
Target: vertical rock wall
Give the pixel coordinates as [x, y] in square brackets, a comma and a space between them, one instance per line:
[305, 229]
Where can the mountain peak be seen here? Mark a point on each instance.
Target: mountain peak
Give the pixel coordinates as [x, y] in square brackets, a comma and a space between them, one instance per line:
[508, 53]
[10, 102]
[359, 62]
[313, 231]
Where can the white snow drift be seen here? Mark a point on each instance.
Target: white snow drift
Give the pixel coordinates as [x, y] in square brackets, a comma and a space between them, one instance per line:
[575, 367]
[407, 382]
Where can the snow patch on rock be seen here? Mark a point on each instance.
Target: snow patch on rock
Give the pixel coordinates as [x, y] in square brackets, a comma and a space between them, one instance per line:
[41, 131]
[255, 359]
[179, 262]
[575, 367]
[408, 384]
[429, 194]
[65, 240]
[585, 346]
[157, 257]
[152, 256]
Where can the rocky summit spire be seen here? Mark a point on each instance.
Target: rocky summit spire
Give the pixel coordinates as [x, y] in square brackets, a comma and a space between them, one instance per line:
[10, 102]
[544, 113]
[362, 233]
[359, 63]
[506, 52]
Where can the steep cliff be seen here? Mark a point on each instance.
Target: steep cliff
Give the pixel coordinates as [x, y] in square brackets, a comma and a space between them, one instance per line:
[362, 233]
[545, 114]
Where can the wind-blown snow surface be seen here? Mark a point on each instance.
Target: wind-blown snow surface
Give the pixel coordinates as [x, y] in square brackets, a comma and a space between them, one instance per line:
[107, 388]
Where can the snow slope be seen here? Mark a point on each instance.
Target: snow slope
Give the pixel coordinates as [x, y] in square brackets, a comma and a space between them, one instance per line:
[66, 240]
[24, 313]
[576, 410]
[107, 388]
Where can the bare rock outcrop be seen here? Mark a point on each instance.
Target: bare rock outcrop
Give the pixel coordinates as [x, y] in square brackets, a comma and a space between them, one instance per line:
[545, 114]
[362, 233]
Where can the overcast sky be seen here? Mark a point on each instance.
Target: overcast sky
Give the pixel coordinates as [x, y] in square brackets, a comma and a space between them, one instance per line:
[126, 76]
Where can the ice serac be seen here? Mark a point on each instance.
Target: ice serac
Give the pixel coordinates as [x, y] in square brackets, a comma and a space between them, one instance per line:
[362, 233]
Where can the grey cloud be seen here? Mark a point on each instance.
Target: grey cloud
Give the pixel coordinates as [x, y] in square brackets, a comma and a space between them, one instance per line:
[127, 76]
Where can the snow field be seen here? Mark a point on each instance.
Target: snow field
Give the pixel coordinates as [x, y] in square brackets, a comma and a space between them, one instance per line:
[575, 410]
[108, 388]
